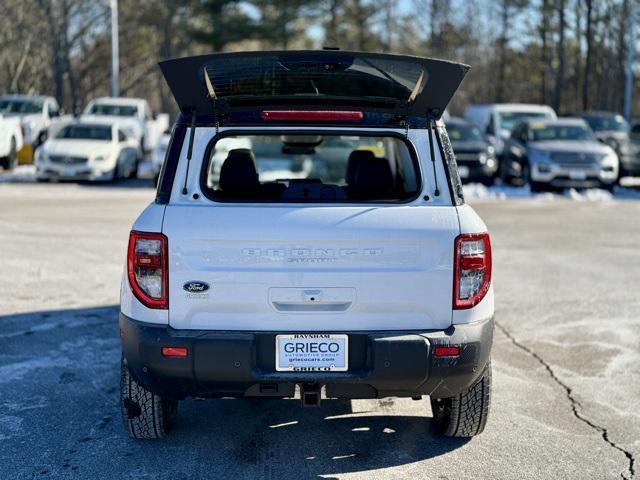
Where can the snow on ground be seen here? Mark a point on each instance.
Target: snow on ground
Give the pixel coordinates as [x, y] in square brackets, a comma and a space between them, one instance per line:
[504, 192]
[21, 174]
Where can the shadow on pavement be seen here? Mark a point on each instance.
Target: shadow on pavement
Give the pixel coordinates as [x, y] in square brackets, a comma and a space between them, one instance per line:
[60, 414]
[145, 183]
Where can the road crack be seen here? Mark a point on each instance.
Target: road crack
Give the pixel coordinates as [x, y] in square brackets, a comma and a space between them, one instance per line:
[575, 405]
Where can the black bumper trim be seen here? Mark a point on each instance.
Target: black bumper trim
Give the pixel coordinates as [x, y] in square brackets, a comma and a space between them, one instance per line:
[242, 363]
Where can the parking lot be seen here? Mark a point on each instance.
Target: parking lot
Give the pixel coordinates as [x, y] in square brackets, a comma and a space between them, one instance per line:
[565, 359]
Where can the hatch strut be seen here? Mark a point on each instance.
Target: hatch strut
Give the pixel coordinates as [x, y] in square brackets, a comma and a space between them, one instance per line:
[211, 94]
[190, 149]
[431, 130]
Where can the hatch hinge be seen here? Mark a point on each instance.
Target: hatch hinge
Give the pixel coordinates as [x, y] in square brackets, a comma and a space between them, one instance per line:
[216, 116]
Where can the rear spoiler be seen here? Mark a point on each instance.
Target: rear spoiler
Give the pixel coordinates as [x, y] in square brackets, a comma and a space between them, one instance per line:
[314, 80]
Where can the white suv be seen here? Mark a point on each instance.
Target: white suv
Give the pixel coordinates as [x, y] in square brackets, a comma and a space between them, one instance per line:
[332, 256]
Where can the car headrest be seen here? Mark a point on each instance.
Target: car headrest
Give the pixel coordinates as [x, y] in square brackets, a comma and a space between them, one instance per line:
[355, 159]
[238, 173]
[374, 175]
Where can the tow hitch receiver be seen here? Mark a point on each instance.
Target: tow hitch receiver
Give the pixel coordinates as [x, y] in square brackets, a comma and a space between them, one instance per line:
[310, 394]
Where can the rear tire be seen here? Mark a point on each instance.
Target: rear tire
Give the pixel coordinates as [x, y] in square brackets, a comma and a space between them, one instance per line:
[609, 186]
[11, 160]
[537, 187]
[464, 415]
[144, 414]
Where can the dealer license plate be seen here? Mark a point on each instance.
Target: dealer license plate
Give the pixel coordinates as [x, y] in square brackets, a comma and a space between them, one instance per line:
[312, 352]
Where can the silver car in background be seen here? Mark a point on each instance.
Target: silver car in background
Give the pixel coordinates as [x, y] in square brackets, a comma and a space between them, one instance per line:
[559, 153]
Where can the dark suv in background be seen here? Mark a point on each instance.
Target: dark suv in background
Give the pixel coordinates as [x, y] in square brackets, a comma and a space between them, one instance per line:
[611, 128]
[475, 157]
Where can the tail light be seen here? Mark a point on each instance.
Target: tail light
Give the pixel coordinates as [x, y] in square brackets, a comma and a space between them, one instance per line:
[147, 269]
[472, 269]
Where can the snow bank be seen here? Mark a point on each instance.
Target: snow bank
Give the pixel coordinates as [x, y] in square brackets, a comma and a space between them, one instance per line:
[503, 192]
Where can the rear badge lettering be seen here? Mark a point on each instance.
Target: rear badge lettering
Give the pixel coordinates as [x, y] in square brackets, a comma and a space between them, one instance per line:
[311, 255]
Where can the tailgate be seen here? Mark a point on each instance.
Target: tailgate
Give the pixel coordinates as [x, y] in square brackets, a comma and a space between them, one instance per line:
[310, 268]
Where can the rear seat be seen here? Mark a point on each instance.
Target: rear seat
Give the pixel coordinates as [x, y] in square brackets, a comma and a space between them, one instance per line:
[368, 176]
[239, 177]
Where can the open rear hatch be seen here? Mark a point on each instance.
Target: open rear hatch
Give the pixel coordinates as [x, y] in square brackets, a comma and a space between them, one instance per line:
[316, 80]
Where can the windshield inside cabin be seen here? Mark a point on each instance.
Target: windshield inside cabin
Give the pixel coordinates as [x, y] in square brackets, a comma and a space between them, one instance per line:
[20, 106]
[542, 132]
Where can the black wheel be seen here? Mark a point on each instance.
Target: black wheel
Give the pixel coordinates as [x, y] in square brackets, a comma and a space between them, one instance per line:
[609, 186]
[145, 415]
[115, 173]
[525, 174]
[464, 415]
[537, 187]
[12, 159]
[134, 171]
[487, 181]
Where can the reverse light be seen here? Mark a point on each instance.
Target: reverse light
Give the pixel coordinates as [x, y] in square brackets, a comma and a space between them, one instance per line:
[147, 268]
[471, 269]
[311, 115]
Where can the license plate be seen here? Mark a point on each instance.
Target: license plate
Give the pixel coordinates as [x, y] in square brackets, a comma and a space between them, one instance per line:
[312, 353]
[463, 172]
[67, 172]
[577, 174]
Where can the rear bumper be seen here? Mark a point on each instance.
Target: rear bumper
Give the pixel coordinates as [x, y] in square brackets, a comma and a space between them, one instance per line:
[241, 363]
[580, 176]
[79, 173]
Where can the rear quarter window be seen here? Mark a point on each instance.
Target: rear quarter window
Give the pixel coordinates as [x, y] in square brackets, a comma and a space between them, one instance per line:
[451, 166]
[310, 167]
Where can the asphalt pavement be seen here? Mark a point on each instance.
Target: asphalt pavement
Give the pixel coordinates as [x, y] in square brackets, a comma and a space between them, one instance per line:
[566, 359]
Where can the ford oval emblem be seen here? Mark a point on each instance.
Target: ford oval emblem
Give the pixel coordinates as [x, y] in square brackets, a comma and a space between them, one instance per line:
[195, 287]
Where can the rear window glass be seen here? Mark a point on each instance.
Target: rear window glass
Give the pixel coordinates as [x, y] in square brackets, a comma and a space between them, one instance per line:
[461, 132]
[310, 168]
[325, 74]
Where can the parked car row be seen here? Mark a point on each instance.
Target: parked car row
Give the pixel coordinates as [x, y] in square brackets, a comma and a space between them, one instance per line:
[528, 144]
[107, 141]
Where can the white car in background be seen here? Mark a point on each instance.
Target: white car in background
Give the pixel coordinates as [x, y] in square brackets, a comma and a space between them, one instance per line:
[497, 120]
[133, 114]
[36, 113]
[158, 154]
[11, 141]
[87, 151]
